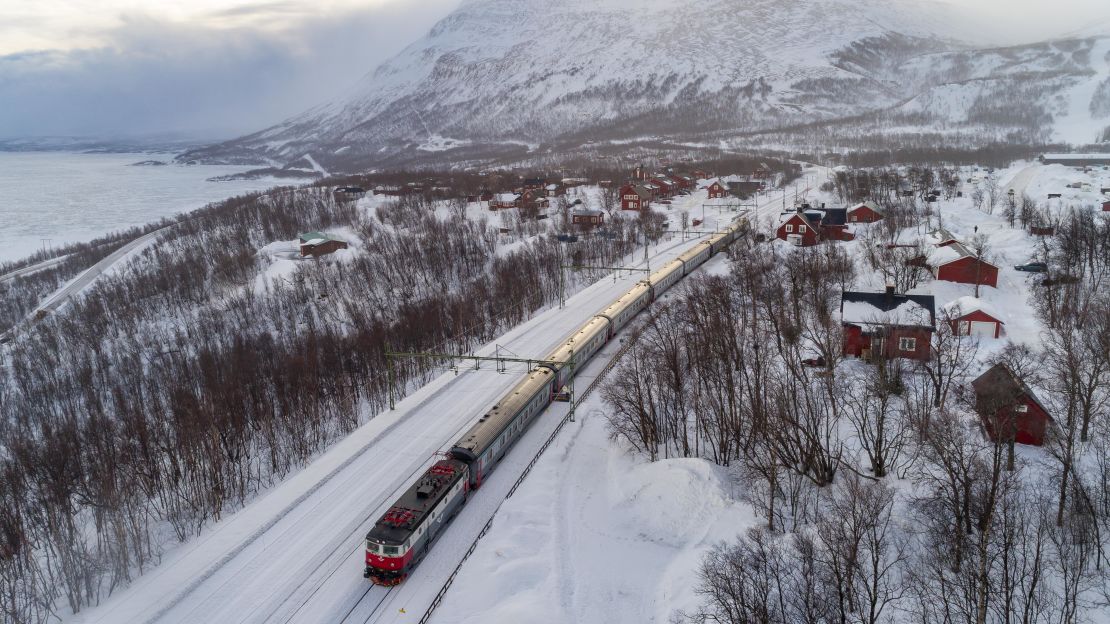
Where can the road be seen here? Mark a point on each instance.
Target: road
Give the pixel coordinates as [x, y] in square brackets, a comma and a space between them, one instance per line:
[90, 275]
[34, 268]
[1019, 183]
[295, 554]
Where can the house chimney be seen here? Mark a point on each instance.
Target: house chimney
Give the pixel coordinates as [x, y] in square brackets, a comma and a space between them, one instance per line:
[889, 293]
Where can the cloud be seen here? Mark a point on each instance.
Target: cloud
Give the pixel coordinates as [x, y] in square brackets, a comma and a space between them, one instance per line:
[155, 76]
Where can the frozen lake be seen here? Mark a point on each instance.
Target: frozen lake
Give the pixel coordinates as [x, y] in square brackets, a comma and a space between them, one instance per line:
[54, 198]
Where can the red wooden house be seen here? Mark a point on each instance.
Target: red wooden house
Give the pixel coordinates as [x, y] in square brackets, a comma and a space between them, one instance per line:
[667, 188]
[797, 229]
[717, 190]
[504, 200]
[1106, 206]
[867, 212]
[887, 325]
[682, 181]
[831, 223]
[534, 184]
[635, 197]
[1008, 408]
[316, 244]
[587, 218]
[969, 316]
[956, 263]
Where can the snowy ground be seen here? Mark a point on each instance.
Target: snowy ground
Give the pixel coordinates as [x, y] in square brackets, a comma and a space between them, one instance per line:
[296, 552]
[596, 534]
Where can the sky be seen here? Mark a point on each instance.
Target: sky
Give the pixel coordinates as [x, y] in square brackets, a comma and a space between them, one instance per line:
[219, 68]
[199, 68]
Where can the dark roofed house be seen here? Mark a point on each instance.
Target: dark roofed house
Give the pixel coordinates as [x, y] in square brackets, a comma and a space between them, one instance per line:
[534, 184]
[318, 244]
[1008, 408]
[887, 325]
[833, 224]
[350, 192]
[587, 218]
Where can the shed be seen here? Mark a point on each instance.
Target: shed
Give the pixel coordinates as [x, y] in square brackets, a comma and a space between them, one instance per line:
[956, 263]
[866, 212]
[970, 316]
[1008, 408]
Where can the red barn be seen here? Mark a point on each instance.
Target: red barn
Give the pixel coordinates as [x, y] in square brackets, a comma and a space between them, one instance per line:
[1106, 206]
[887, 325]
[717, 190]
[635, 197]
[969, 316]
[796, 228]
[867, 212]
[1008, 408]
[956, 263]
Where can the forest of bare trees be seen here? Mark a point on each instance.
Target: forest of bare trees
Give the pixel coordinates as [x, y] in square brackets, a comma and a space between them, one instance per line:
[184, 383]
[878, 496]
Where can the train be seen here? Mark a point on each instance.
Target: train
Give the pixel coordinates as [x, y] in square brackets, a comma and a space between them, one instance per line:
[406, 531]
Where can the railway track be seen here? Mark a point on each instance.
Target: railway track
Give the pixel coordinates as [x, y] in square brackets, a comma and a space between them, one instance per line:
[625, 347]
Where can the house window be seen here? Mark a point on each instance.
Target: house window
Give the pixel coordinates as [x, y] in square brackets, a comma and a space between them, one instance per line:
[907, 344]
[801, 229]
[1021, 409]
[789, 227]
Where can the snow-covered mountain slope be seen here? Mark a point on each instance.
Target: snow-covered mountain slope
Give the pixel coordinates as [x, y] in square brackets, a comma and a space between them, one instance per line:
[564, 73]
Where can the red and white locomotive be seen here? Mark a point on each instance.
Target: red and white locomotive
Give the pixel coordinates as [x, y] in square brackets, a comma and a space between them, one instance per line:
[404, 534]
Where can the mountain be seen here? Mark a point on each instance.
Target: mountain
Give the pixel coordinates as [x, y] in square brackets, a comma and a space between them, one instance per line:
[523, 78]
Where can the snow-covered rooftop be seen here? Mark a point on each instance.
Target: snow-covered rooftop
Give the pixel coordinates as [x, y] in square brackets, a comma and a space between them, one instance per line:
[966, 305]
[907, 313]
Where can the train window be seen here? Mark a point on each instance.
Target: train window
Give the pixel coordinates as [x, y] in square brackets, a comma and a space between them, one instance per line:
[372, 547]
[391, 550]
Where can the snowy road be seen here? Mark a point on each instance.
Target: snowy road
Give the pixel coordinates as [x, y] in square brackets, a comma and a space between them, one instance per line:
[1020, 181]
[34, 268]
[90, 275]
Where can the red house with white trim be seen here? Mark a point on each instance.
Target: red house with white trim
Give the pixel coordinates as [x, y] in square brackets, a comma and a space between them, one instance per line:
[956, 263]
[1008, 408]
[887, 325]
[867, 212]
[797, 229]
[635, 197]
[969, 316]
[717, 190]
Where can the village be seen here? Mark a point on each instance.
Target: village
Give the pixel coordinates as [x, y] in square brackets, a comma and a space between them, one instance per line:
[962, 259]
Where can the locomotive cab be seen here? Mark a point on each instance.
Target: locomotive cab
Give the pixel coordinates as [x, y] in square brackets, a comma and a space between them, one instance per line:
[386, 563]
